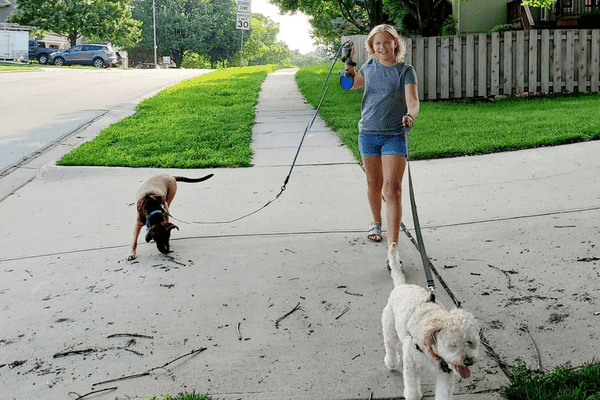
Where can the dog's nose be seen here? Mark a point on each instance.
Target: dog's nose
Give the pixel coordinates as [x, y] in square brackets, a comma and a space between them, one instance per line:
[468, 362]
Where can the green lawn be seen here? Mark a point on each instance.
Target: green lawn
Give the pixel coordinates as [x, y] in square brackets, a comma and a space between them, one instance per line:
[35, 66]
[6, 67]
[459, 128]
[200, 123]
[207, 122]
[559, 384]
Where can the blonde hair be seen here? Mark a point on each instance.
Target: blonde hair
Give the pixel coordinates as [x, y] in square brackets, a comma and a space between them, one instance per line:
[399, 49]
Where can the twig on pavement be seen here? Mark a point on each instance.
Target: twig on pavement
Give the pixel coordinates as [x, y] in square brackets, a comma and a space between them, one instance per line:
[112, 389]
[537, 353]
[286, 315]
[343, 312]
[129, 335]
[146, 373]
[74, 352]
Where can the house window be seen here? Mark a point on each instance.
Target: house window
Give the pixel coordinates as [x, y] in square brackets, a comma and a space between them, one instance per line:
[567, 7]
[591, 5]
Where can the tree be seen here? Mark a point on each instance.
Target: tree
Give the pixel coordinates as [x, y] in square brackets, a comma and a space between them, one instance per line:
[205, 27]
[108, 20]
[179, 26]
[420, 17]
[363, 15]
[221, 41]
[333, 18]
[262, 46]
[538, 3]
[261, 39]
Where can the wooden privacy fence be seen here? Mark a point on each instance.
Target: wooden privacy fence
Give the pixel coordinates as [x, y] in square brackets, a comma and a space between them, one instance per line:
[509, 63]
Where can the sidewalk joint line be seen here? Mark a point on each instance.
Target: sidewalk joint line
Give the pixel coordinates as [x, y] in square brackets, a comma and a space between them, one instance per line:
[516, 217]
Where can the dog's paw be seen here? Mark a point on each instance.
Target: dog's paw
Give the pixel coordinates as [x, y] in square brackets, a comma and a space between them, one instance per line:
[131, 257]
[391, 361]
[413, 393]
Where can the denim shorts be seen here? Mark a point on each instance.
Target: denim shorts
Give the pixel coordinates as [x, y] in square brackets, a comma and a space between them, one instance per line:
[370, 145]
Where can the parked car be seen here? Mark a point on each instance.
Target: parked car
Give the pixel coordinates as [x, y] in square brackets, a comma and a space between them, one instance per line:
[39, 51]
[98, 55]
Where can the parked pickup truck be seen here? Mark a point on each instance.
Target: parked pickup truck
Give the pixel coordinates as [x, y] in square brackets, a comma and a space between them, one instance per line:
[40, 52]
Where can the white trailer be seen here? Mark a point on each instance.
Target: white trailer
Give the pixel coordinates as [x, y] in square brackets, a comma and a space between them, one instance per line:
[14, 45]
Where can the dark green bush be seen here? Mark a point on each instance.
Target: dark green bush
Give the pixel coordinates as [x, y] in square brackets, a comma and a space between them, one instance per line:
[504, 28]
[590, 20]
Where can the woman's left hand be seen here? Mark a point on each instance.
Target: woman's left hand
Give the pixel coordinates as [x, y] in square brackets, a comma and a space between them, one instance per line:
[408, 121]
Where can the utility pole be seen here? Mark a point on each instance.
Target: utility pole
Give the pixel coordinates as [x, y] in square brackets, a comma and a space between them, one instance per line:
[154, 23]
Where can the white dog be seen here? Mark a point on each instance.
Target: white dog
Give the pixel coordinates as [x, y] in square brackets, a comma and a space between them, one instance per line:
[433, 339]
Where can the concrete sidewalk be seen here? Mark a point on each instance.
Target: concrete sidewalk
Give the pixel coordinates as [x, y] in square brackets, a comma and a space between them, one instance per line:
[512, 235]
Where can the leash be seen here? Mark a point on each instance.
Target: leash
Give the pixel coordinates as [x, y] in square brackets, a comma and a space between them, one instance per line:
[420, 244]
[287, 179]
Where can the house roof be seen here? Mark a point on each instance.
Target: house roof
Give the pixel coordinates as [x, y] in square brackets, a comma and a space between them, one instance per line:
[7, 7]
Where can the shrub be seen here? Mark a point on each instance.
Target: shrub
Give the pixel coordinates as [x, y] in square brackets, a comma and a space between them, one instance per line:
[450, 27]
[504, 28]
[590, 20]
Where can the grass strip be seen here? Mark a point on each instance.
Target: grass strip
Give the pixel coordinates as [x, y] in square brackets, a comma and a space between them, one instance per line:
[203, 122]
[35, 66]
[559, 384]
[460, 128]
[6, 67]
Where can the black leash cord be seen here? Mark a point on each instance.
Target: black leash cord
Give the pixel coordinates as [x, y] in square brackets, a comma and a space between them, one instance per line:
[287, 179]
[420, 244]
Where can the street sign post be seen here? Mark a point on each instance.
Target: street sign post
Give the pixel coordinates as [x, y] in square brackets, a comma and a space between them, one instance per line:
[243, 21]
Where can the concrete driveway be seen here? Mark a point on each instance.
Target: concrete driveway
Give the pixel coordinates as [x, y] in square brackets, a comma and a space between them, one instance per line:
[39, 107]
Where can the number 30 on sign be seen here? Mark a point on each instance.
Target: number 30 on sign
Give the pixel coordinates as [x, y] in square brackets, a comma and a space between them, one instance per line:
[243, 21]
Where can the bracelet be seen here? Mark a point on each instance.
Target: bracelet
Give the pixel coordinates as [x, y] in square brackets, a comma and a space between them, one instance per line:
[410, 116]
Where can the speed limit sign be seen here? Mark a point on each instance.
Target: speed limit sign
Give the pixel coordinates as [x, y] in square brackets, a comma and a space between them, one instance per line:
[243, 21]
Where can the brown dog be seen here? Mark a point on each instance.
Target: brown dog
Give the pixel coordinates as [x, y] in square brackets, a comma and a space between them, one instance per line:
[154, 196]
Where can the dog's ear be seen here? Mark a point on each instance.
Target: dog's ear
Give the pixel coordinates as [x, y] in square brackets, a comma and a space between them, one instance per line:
[427, 335]
[149, 235]
[171, 226]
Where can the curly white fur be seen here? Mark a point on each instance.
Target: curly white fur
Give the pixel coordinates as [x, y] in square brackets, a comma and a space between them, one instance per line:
[428, 334]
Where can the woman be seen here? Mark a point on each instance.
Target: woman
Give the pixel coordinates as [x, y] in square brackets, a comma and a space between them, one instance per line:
[390, 105]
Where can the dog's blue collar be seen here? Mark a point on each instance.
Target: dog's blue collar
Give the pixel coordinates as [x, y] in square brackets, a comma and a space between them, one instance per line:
[148, 218]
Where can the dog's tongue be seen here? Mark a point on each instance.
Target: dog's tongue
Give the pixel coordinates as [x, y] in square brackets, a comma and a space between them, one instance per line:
[464, 372]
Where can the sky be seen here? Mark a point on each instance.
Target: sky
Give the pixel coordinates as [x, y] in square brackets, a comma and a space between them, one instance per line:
[294, 30]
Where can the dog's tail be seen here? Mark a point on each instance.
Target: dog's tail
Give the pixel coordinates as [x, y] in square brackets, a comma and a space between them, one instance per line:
[192, 180]
[395, 265]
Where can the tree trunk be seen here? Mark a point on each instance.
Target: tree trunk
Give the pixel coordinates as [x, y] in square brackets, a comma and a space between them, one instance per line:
[177, 56]
[73, 38]
[428, 15]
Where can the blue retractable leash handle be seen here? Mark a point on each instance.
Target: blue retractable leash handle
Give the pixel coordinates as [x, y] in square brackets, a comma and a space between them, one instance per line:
[346, 78]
